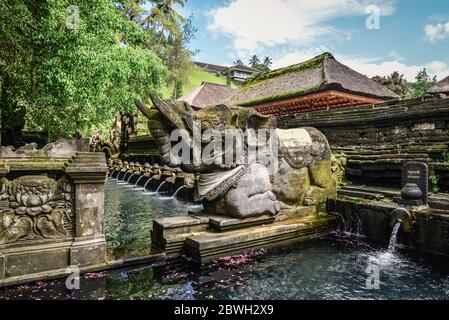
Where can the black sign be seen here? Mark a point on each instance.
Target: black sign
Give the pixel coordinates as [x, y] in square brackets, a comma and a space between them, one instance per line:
[417, 173]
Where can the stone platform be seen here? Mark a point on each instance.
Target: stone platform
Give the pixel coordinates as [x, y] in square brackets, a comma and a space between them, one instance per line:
[206, 237]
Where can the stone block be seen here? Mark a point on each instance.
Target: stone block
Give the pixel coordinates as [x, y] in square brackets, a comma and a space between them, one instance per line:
[2, 266]
[226, 223]
[88, 253]
[29, 261]
[169, 234]
[178, 225]
[208, 246]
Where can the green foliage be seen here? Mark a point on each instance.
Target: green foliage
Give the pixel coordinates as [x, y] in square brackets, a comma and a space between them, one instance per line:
[195, 79]
[395, 82]
[434, 183]
[76, 77]
[422, 84]
[177, 58]
[261, 67]
[446, 156]
[169, 34]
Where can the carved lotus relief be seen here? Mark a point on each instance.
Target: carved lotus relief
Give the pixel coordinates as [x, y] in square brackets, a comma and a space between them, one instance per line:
[38, 207]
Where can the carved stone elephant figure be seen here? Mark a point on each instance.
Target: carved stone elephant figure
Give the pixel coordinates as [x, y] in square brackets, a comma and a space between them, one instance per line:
[248, 177]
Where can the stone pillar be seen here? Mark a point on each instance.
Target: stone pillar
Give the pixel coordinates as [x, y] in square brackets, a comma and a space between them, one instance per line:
[88, 172]
[2, 266]
[4, 169]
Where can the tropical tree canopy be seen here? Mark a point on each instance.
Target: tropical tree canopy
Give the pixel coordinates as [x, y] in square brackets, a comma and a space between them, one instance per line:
[72, 64]
[254, 60]
[268, 62]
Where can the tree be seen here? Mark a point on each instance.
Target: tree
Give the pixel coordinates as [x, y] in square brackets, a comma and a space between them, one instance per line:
[164, 20]
[254, 60]
[268, 62]
[169, 34]
[422, 84]
[238, 62]
[73, 74]
[395, 82]
[177, 57]
[261, 67]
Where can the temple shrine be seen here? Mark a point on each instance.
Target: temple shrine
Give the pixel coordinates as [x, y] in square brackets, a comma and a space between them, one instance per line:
[321, 83]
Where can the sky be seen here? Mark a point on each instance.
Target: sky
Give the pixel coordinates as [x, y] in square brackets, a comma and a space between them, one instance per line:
[374, 37]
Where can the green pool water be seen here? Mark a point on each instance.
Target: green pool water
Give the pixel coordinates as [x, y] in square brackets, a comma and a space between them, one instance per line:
[335, 267]
[129, 212]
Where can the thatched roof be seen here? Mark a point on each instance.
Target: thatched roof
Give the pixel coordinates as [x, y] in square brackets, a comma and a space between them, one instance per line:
[208, 94]
[440, 87]
[321, 73]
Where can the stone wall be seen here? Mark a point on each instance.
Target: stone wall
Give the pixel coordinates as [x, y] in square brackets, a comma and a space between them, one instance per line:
[51, 210]
[373, 219]
[141, 149]
[376, 140]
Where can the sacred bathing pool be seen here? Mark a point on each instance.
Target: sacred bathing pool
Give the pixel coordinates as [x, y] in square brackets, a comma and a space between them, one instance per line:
[318, 204]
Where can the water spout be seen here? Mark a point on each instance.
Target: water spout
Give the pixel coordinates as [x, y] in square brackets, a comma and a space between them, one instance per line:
[147, 183]
[160, 186]
[112, 172]
[137, 182]
[176, 192]
[359, 227]
[130, 177]
[342, 220]
[393, 238]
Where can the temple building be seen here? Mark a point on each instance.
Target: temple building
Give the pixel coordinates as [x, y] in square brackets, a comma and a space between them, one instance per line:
[441, 88]
[207, 94]
[321, 83]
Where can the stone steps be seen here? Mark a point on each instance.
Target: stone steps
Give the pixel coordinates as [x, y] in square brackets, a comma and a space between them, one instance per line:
[208, 246]
[221, 236]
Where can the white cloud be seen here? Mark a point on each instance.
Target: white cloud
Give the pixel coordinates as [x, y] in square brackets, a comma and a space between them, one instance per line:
[368, 66]
[263, 23]
[438, 32]
[396, 56]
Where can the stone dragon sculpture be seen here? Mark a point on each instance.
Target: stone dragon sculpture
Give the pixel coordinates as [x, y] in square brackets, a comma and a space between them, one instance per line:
[298, 173]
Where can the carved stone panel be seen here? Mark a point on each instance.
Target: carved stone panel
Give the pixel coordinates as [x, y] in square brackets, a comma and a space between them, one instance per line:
[36, 207]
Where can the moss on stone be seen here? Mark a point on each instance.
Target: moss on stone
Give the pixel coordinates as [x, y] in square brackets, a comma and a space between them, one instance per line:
[310, 64]
[321, 175]
[280, 96]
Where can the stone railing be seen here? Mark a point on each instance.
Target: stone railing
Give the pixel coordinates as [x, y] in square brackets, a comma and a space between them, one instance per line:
[51, 210]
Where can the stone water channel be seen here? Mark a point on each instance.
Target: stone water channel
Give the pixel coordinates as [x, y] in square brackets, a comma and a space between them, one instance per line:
[335, 267]
[129, 213]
